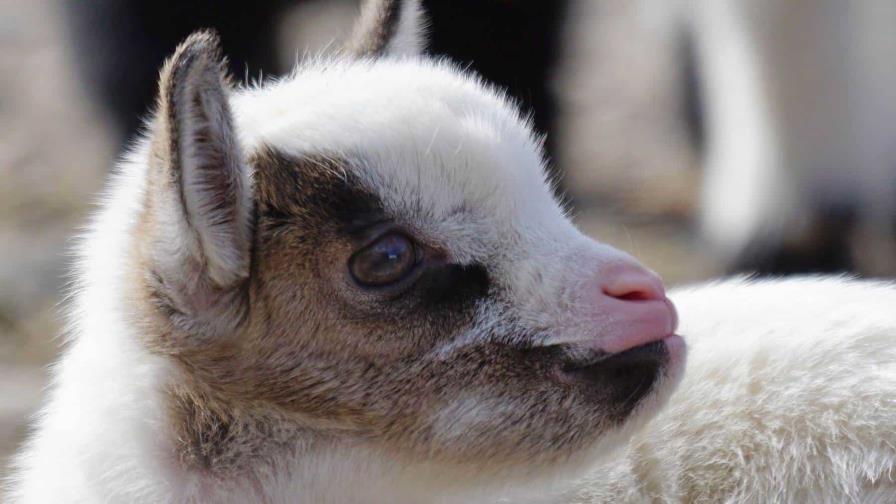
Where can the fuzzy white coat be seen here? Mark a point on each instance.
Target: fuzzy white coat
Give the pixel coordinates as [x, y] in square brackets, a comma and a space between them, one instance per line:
[788, 395]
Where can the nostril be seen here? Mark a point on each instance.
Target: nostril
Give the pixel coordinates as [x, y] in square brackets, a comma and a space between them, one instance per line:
[635, 287]
[634, 296]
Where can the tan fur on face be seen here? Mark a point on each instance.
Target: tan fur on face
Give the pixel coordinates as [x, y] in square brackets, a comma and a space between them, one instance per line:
[226, 350]
[317, 358]
[279, 350]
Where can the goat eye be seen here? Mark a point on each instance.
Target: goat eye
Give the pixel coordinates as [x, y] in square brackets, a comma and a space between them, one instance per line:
[383, 262]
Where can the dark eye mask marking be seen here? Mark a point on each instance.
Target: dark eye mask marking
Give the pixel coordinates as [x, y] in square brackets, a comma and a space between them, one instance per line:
[320, 199]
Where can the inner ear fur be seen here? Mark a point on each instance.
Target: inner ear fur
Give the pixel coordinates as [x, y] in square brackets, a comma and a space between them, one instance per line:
[197, 229]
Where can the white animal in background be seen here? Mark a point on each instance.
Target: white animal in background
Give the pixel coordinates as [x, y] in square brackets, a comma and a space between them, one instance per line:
[354, 285]
[800, 101]
[790, 108]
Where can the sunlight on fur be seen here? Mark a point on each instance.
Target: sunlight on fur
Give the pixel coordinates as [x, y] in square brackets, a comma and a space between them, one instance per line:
[354, 285]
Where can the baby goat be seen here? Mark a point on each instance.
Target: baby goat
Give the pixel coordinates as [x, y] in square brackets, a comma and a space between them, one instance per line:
[353, 285]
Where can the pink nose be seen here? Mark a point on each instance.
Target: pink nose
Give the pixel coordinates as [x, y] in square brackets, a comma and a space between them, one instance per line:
[633, 283]
[632, 303]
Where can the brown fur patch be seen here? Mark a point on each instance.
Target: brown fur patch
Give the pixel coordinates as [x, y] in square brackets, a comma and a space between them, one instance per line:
[317, 357]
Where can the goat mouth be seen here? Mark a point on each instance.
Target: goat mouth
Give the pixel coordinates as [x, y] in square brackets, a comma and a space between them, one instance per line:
[599, 361]
[624, 378]
[577, 360]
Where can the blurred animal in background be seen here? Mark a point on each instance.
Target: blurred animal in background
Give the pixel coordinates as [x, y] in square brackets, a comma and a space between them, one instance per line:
[788, 106]
[121, 44]
[800, 101]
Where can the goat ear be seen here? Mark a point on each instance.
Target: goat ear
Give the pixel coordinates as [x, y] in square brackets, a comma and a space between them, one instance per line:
[388, 28]
[199, 201]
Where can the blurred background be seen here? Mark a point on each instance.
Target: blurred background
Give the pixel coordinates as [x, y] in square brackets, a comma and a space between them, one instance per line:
[706, 137]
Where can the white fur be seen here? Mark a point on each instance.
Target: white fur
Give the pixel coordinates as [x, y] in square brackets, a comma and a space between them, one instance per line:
[111, 450]
[787, 397]
[101, 437]
[102, 429]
